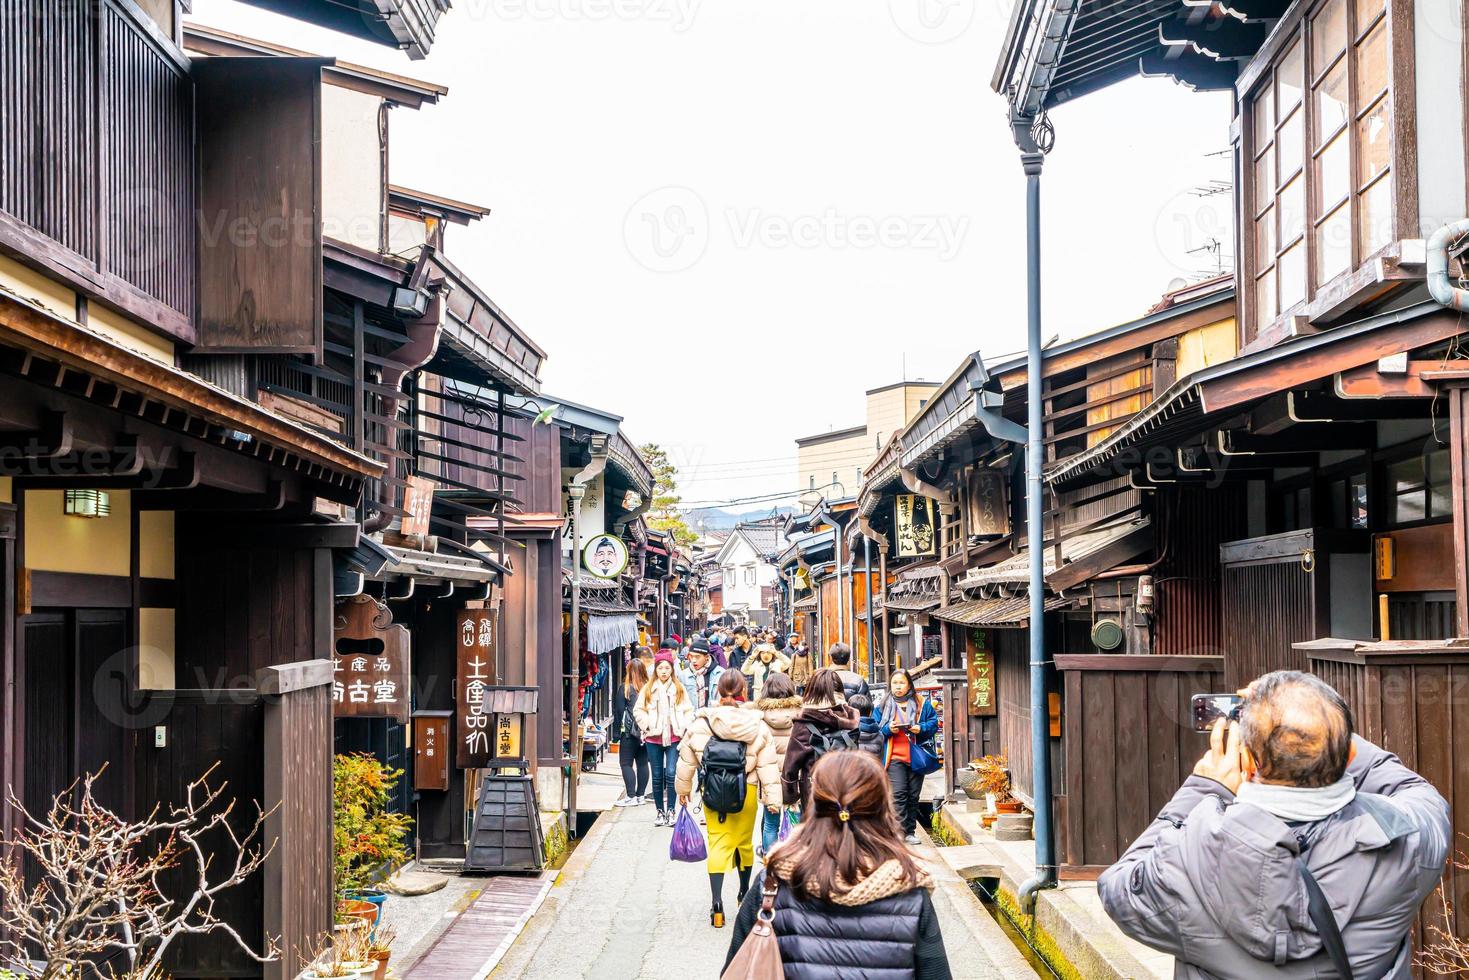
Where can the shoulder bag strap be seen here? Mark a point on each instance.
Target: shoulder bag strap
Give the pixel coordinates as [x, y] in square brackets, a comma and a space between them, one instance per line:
[1325, 922]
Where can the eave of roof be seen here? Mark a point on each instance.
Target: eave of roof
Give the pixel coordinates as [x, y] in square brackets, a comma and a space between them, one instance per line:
[832, 436]
[37, 330]
[398, 89]
[1183, 404]
[459, 212]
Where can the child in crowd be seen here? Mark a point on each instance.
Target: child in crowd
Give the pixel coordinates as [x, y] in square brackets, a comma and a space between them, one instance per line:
[869, 739]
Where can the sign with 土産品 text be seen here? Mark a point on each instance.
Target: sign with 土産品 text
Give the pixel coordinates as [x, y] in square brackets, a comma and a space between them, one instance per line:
[372, 662]
[475, 643]
[914, 525]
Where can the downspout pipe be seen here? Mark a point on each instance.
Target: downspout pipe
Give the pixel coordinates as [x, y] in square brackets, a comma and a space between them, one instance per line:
[1440, 287]
[1032, 159]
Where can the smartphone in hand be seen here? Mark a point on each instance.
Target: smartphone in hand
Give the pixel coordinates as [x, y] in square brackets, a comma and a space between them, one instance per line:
[1209, 708]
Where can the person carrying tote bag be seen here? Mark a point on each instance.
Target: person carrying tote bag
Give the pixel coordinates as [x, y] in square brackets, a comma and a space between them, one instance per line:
[908, 725]
[842, 897]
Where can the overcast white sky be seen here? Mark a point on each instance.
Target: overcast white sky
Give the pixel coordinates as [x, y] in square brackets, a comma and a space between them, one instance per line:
[726, 219]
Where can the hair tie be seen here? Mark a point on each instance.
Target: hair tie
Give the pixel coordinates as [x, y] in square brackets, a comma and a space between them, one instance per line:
[844, 814]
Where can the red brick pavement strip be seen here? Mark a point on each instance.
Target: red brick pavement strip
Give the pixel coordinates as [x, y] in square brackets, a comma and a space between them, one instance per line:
[472, 946]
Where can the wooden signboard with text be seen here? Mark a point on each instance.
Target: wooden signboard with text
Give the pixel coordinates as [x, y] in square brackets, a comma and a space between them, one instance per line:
[989, 514]
[431, 752]
[474, 641]
[914, 526]
[418, 503]
[983, 700]
[373, 668]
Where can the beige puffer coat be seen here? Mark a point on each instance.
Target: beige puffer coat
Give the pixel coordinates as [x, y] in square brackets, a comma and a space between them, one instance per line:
[779, 715]
[738, 724]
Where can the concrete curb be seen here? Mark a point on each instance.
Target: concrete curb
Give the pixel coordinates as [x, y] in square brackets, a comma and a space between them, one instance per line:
[1096, 951]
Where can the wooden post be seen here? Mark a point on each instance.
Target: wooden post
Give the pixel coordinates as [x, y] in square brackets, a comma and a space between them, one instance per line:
[298, 795]
[1459, 456]
[887, 626]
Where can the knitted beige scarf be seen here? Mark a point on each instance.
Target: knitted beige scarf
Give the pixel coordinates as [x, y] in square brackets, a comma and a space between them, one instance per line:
[885, 880]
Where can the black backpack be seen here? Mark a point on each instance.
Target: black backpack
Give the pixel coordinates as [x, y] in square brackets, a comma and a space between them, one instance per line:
[723, 775]
[838, 741]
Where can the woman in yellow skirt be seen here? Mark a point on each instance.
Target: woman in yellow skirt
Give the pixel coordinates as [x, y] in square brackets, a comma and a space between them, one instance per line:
[731, 835]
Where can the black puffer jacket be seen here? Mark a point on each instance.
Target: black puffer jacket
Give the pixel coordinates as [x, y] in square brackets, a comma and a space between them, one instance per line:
[893, 938]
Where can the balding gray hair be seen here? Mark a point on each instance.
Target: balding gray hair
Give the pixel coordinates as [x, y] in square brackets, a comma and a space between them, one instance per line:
[1298, 729]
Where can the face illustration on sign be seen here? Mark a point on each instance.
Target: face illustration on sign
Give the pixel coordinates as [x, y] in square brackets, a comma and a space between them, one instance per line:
[605, 556]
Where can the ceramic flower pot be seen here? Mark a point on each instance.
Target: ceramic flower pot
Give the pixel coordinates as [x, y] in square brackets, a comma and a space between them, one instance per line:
[360, 909]
[1008, 806]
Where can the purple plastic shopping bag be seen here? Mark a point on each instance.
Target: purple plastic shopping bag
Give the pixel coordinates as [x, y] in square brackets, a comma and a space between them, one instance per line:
[788, 820]
[688, 842]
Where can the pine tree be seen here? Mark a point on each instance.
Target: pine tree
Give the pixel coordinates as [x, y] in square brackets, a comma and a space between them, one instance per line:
[664, 514]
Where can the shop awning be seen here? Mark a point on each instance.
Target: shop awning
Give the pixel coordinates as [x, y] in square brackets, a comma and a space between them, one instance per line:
[1000, 611]
[918, 603]
[503, 700]
[1114, 543]
[438, 566]
[807, 603]
[608, 632]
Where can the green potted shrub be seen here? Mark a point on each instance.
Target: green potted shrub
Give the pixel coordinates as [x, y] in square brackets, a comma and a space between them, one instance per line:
[368, 840]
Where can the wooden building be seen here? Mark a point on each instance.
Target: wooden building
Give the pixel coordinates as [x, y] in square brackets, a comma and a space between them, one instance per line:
[1310, 491]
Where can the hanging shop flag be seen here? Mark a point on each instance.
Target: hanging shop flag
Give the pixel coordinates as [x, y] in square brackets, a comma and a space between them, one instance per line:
[982, 674]
[418, 503]
[371, 662]
[605, 556]
[914, 525]
[475, 642]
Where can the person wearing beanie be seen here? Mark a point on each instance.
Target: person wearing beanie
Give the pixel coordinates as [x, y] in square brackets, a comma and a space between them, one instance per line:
[701, 676]
[664, 714]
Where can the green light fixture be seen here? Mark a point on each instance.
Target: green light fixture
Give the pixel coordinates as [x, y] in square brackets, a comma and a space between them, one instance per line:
[88, 503]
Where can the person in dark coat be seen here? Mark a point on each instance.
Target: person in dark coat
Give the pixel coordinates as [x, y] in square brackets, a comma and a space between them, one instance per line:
[824, 722]
[840, 656]
[850, 900]
[869, 737]
[740, 649]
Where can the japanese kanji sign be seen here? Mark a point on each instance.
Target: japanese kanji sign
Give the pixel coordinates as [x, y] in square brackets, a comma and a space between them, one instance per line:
[475, 641]
[372, 661]
[914, 526]
[431, 752]
[982, 674]
[418, 501]
[507, 736]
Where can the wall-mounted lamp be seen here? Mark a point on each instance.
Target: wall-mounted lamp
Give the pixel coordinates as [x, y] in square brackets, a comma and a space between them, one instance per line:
[88, 503]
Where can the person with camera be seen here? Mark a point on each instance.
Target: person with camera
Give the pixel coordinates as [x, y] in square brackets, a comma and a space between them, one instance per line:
[1296, 849]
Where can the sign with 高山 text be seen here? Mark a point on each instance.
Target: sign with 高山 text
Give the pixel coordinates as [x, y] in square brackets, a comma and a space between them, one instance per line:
[474, 641]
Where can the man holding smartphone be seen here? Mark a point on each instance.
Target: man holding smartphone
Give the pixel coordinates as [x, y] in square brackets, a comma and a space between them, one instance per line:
[1296, 849]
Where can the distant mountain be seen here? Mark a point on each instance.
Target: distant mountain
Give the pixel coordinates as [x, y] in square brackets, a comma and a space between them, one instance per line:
[719, 519]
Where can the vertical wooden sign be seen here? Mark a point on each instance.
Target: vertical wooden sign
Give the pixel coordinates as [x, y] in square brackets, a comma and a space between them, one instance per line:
[418, 503]
[989, 515]
[372, 662]
[982, 693]
[431, 752]
[475, 642]
[914, 526]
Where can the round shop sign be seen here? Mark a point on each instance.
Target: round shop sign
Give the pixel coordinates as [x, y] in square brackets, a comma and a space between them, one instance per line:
[605, 556]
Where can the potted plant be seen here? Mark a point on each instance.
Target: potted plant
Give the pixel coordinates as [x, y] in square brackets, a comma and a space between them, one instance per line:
[993, 778]
[381, 950]
[353, 946]
[326, 963]
[368, 840]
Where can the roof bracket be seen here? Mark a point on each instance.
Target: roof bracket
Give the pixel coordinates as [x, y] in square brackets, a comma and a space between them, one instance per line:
[412, 583]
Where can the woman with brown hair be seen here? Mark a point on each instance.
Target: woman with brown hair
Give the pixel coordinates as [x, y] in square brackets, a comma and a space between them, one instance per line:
[632, 752]
[826, 722]
[850, 899]
[734, 748]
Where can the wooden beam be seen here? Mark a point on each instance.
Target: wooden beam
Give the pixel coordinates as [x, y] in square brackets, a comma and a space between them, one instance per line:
[1306, 367]
[1369, 381]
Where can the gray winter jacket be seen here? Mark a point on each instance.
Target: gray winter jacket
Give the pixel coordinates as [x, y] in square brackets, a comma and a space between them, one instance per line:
[1214, 882]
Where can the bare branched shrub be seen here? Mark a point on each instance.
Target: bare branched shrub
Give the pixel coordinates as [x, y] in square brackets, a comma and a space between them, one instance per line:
[97, 890]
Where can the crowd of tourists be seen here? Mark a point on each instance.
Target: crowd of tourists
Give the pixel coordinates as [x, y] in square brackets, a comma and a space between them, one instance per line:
[740, 732]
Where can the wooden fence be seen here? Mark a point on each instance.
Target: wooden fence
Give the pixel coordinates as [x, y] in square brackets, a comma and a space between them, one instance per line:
[1412, 698]
[1128, 744]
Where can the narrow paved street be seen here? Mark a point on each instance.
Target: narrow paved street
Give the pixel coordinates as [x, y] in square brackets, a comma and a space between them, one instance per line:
[623, 909]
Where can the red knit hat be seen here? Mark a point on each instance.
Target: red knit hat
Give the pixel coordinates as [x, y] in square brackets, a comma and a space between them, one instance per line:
[665, 656]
